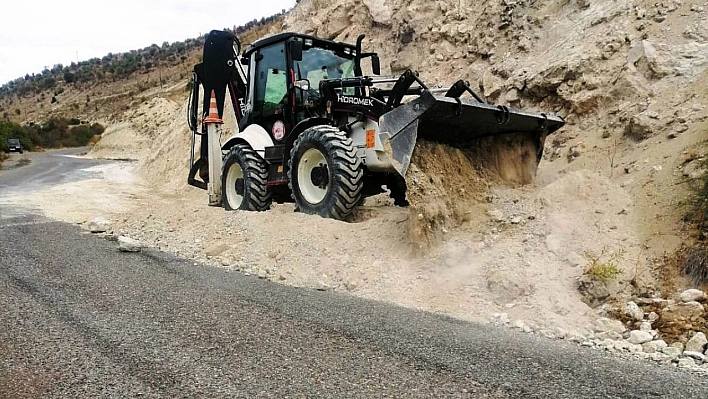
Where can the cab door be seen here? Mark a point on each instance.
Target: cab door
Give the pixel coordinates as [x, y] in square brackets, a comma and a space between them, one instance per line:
[271, 102]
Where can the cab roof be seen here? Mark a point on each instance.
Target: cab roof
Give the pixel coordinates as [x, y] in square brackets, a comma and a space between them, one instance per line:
[282, 37]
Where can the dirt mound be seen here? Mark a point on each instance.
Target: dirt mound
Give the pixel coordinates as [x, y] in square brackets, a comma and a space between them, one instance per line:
[447, 185]
[444, 186]
[154, 134]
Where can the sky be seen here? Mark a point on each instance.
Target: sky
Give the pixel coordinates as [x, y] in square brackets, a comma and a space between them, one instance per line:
[35, 34]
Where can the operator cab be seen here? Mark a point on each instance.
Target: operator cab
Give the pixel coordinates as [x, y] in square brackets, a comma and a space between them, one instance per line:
[285, 72]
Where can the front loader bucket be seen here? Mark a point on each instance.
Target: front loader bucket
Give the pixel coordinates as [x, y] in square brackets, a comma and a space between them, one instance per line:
[476, 127]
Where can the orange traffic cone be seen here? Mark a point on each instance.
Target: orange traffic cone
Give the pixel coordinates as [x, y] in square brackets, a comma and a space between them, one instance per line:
[213, 111]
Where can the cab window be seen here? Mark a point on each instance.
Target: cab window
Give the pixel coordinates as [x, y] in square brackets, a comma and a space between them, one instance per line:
[271, 87]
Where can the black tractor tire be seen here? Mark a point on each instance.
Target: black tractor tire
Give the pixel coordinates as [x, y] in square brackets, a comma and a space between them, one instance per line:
[243, 180]
[333, 174]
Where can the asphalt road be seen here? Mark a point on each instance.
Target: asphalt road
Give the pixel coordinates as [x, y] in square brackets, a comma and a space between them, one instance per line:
[44, 169]
[79, 319]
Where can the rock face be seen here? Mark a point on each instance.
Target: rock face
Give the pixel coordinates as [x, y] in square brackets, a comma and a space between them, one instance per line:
[693, 295]
[380, 10]
[697, 343]
[682, 311]
[639, 337]
[99, 225]
[127, 244]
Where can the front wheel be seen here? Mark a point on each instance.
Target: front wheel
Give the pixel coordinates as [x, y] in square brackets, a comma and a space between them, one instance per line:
[325, 174]
[243, 180]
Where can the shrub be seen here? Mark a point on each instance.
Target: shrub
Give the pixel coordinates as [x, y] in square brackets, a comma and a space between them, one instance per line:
[696, 265]
[604, 267]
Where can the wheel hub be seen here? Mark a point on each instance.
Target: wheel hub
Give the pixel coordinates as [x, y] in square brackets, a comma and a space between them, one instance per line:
[320, 176]
[240, 186]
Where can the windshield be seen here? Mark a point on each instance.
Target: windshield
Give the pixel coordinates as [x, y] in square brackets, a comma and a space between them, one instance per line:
[13, 141]
[319, 64]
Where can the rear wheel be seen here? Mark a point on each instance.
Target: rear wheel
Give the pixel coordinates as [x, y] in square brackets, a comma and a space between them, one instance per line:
[325, 173]
[243, 180]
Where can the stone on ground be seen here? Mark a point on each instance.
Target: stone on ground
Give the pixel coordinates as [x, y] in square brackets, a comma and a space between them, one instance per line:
[99, 225]
[639, 337]
[672, 351]
[693, 295]
[697, 343]
[604, 324]
[217, 249]
[695, 355]
[686, 363]
[127, 244]
[654, 346]
[634, 311]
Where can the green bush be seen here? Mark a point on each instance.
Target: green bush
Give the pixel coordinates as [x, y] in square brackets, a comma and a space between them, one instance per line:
[55, 132]
[10, 130]
[604, 267]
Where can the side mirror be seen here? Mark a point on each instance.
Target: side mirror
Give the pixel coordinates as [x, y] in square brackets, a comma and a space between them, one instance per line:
[296, 50]
[375, 65]
[302, 84]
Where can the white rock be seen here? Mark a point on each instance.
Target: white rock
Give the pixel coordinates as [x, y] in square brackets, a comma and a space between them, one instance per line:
[622, 345]
[657, 357]
[575, 336]
[500, 318]
[639, 337]
[127, 244]
[686, 363]
[672, 351]
[654, 346]
[697, 343]
[634, 348]
[322, 286]
[692, 295]
[652, 317]
[550, 334]
[560, 333]
[99, 225]
[379, 10]
[633, 310]
[496, 215]
[609, 335]
[608, 344]
[522, 326]
[695, 355]
[645, 326]
[604, 324]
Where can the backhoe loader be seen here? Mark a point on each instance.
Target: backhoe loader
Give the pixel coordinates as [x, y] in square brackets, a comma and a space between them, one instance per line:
[313, 129]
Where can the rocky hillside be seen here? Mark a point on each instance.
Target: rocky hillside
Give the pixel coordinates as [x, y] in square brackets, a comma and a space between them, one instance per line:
[629, 77]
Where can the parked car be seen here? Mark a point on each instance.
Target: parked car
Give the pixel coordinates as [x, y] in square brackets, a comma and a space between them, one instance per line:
[14, 145]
